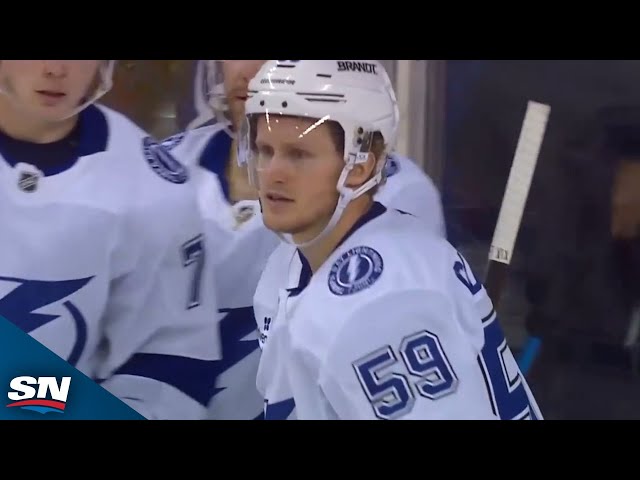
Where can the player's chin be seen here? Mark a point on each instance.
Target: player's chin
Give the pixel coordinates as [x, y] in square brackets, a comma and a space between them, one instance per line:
[279, 222]
[53, 114]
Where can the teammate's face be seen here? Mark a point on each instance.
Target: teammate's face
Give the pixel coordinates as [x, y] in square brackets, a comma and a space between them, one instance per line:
[237, 75]
[48, 89]
[298, 170]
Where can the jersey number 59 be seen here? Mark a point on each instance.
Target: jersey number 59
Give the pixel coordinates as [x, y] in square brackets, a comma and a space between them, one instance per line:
[391, 395]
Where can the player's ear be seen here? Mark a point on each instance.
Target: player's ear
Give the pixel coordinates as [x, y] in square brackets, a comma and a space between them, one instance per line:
[361, 172]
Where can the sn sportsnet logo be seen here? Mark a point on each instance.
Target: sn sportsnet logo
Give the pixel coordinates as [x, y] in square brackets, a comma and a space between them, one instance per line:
[48, 394]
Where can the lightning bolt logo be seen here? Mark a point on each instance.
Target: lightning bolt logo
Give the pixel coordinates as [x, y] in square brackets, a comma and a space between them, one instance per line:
[19, 305]
[234, 327]
[356, 269]
[352, 268]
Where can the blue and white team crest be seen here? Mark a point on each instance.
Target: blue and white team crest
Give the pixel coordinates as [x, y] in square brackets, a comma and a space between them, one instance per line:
[162, 162]
[392, 167]
[355, 270]
[173, 141]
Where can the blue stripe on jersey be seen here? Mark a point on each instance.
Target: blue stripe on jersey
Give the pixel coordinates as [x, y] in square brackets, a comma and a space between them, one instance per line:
[305, 277]
[193, 377]
[94, 131]
[215, 156]
[236, 325]
[279, 410]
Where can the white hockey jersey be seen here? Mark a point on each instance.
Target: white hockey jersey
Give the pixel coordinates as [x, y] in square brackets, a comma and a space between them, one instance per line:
[409, 189]
[101, 261]
[376, 333]
[240, 246]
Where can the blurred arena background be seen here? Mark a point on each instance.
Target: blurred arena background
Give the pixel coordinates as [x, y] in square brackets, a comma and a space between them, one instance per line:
[461, 121]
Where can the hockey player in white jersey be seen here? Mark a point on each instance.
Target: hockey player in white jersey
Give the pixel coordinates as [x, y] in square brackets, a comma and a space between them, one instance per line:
[101, 252]
[380, 318]
[238, 241]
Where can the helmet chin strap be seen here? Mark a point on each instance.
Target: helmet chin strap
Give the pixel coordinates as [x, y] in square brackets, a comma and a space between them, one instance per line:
[346, 196]
[343, 201]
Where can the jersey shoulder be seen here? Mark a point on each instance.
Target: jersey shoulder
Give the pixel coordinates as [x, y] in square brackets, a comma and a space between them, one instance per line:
[382, 259]
[135, 154]
[389, 253]
[141, 177]
[188, 146]
[401, 172]
[388, 257]
[402, 168]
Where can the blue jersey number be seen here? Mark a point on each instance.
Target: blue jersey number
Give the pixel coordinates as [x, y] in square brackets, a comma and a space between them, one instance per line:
[392, 395]
[508, 396]
[193, 254]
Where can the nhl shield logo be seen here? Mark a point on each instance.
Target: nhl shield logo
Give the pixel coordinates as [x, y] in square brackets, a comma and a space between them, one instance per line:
[28, 181]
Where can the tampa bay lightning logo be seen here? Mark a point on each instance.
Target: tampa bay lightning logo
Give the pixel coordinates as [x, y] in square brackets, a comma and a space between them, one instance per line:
[392, 167]
[31, 295]
[355, 270]
[173, 141]
[162, 162]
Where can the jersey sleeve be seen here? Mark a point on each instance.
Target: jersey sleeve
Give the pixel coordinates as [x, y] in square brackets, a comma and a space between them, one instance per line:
[422, 200]
[161, 322]
[404, 356]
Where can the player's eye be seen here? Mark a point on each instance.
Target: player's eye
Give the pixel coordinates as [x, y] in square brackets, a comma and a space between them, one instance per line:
[265, 151]
[297, 154]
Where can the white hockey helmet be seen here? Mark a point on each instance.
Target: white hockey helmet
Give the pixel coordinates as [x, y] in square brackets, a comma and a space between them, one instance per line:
[356, 94]
[104, 85]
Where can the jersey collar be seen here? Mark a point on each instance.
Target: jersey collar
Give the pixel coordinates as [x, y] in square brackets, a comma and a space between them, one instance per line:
[90, 134]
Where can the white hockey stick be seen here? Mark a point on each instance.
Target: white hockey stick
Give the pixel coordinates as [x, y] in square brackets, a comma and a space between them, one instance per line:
[515, 197]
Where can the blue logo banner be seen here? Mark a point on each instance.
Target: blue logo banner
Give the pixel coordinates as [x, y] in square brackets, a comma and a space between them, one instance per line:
[36, 384]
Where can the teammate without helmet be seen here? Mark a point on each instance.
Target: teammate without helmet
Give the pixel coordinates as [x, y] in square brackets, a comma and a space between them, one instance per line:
[101, 259]
[384, 319]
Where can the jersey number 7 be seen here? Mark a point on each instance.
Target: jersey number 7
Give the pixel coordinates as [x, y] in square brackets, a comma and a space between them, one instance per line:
[193, 255]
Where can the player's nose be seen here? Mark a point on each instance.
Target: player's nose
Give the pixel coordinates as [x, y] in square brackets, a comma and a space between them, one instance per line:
[55, 68]
[278, 168]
